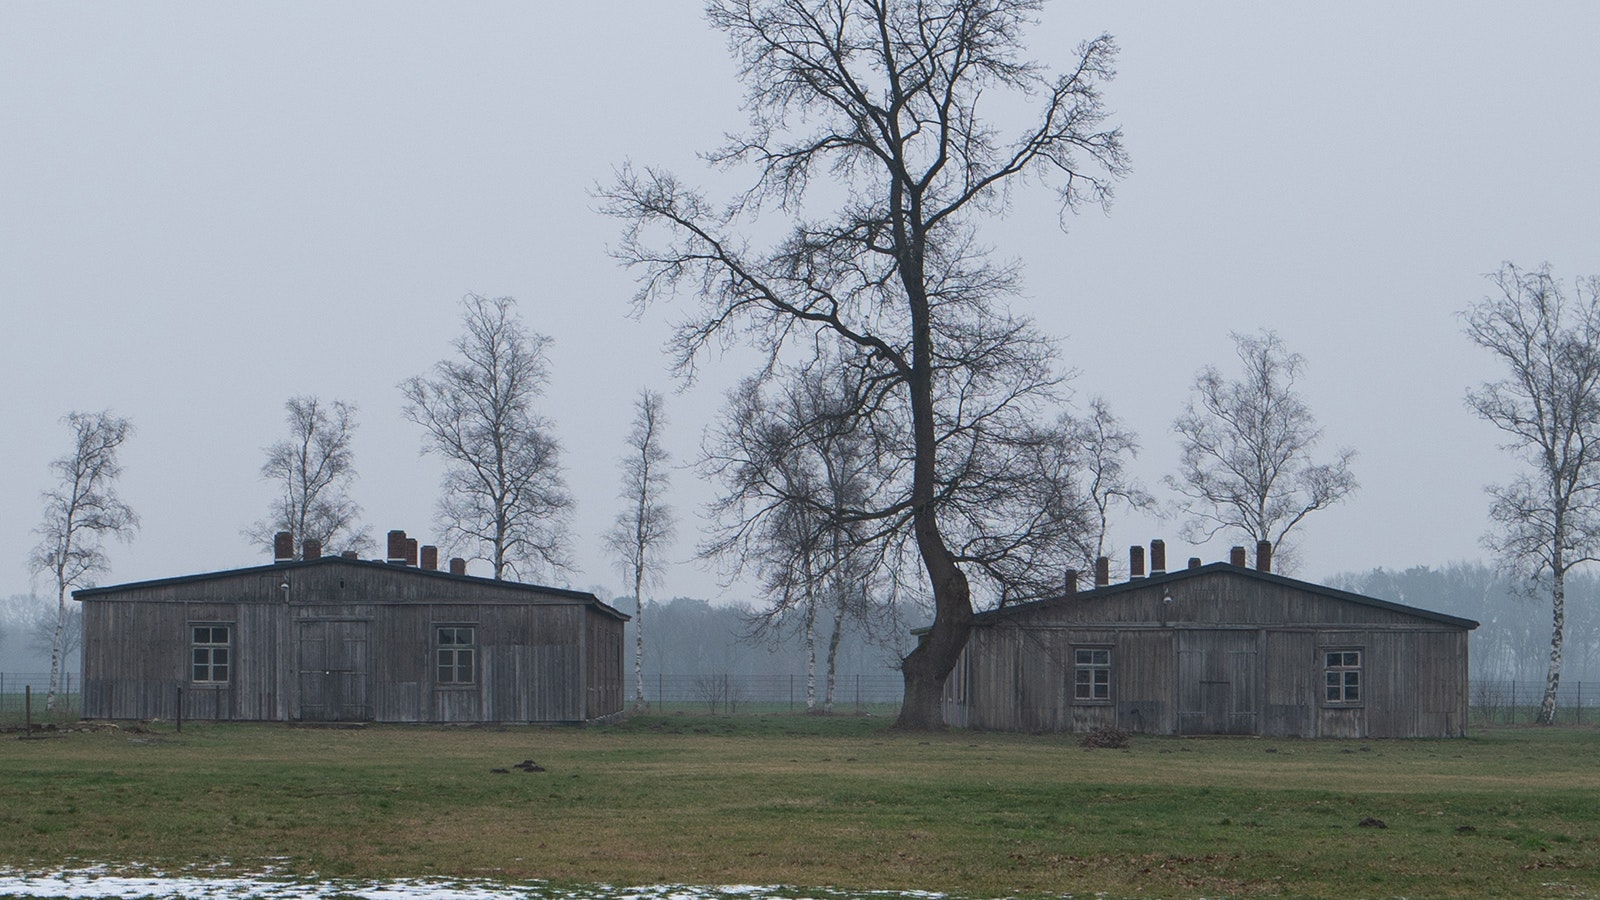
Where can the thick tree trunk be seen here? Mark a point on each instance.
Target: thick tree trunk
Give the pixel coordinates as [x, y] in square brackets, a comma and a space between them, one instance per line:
[926, 667]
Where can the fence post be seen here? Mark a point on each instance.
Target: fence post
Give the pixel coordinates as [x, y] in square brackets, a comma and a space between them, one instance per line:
[179, 717]
[27, 710]
[791, 692]
[661, 697]
[1511, 715]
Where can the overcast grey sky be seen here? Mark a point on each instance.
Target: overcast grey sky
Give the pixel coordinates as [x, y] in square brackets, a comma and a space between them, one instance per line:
[208, 208]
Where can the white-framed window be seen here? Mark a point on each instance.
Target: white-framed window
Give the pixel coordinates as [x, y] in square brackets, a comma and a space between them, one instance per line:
[210, 653]
[456, 654]
[1341, 677]
[1091, 674]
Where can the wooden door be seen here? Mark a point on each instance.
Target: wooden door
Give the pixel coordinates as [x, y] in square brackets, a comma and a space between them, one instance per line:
[1217, 683]
[335, 674]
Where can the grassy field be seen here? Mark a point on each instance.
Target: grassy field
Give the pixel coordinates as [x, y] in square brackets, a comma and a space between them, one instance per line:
[814, 801]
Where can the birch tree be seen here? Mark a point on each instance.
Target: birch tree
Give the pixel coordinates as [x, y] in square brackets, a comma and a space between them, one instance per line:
[887, 105]
[1246, 468]
[1547, 519]
[504, 498]
[312, 470]
[797, 476]
[81, 510]
[647, 523]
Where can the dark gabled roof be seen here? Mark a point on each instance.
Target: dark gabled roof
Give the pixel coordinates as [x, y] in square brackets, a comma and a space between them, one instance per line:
[408, 571]
[1237, 571]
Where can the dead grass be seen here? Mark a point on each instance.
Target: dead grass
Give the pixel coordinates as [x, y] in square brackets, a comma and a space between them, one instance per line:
[813, 802]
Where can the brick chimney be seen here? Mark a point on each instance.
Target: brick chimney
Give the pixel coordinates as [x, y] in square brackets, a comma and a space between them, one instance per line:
[458, 566]
[1194, 562]
[282, 547]
[1158, 557]
[349, 554]
[1236, 557]
[1071, 585]
[311, 548]
[1102, 572]
[430, 557]
[397, 548]
[1263, 556]
[411, 552]
[1135, 562]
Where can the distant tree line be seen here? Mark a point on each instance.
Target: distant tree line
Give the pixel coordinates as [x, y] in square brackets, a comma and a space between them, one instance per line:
[693, 638]
[1512, 641]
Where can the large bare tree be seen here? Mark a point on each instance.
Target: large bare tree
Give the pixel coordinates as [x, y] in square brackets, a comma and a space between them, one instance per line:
[1549, 406]
[647, 523]
[883, 108]
[81, 510]
[504, 496]
[312, 470]
[1246, 468]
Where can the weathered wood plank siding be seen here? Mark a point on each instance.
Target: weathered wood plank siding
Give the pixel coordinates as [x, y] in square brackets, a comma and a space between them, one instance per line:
[603, 665]
[351, 641]
[1216, 651]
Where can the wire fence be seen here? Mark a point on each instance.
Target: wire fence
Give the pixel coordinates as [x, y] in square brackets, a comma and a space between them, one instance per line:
[23, 697]
[877, 694]
[1508, 702]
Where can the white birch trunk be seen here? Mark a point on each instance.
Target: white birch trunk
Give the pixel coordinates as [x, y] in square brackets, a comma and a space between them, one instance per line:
[833, 652]
[56, 642]
[811, 655]
[1558, 603]
[639, 704]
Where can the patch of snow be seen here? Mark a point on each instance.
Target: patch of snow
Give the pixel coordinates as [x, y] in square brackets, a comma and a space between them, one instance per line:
[98, 882]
